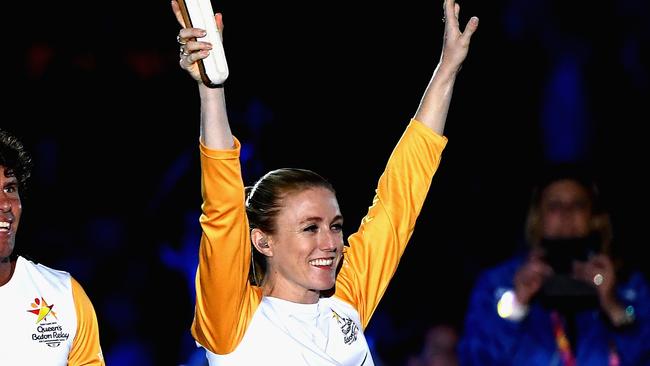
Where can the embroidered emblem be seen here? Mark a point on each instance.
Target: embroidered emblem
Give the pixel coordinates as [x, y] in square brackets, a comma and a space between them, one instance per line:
[349, 328]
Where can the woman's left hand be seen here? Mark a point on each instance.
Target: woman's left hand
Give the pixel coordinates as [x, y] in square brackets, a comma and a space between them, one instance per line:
[599, 272]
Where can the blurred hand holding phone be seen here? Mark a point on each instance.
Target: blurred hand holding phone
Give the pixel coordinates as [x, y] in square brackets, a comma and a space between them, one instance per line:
[562, 290]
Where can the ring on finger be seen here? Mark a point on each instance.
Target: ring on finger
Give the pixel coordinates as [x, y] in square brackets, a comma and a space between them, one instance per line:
[180, 40]
[598, 279]
[184, 52]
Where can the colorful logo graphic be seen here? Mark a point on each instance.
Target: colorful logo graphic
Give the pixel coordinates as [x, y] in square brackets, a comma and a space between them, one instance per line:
[42, 309]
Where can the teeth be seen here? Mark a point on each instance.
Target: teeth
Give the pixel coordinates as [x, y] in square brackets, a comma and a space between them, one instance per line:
[4, 225]
[321, 262]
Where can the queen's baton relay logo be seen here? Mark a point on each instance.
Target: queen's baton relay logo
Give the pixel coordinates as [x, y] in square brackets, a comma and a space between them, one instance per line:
[48, 330]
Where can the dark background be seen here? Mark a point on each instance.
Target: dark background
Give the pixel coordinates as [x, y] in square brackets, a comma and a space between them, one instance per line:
[95, 92]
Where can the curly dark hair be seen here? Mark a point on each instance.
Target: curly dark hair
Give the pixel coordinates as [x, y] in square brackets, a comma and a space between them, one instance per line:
[15, 159]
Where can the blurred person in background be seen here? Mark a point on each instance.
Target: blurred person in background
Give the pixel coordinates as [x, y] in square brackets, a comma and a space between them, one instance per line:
[439, 347]
[566, 301]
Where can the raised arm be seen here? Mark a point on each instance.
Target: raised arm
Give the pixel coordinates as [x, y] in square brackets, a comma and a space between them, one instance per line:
[434, 105]
[225, 300]
[215, 129]
[376, 248]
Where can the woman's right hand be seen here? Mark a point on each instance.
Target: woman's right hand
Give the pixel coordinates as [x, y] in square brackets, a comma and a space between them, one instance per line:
[192, 50]
[530, 277]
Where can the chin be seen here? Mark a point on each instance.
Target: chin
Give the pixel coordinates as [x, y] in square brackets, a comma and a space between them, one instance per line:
[324, 285]
[6, 253]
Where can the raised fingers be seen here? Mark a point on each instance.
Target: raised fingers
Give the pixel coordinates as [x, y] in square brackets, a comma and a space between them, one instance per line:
[219, 19]
[450, 12]
[470, 28]
[177, 12]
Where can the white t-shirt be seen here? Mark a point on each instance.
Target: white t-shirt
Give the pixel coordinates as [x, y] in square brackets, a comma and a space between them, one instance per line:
[292, 334]
[38, 316]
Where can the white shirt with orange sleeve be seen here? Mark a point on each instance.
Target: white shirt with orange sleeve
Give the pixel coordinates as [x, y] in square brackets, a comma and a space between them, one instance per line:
[238, 326]
[47, 319]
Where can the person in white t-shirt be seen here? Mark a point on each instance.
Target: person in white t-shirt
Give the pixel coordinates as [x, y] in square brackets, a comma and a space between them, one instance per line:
[46, 317]
[309, 298]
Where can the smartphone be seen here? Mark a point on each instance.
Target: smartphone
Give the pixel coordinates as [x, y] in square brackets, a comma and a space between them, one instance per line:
[199, 14]
[561, 253]
[562, 291]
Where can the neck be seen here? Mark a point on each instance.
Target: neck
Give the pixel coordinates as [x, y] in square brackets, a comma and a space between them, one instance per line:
[270, 288]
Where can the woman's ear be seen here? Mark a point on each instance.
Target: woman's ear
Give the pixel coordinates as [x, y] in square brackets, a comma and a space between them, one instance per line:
[261, 242]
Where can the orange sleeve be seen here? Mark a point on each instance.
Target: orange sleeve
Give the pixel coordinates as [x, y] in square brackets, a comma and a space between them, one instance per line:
[375, 249]
[225, 300]
[86, 349]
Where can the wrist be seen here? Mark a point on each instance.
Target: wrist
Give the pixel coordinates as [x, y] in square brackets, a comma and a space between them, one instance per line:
[621, 316]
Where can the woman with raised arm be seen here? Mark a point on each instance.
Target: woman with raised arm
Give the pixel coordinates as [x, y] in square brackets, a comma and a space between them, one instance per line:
[308, 298]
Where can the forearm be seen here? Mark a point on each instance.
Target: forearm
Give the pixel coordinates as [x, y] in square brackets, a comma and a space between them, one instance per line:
[615, 312]
[434, 105]
[215, 129]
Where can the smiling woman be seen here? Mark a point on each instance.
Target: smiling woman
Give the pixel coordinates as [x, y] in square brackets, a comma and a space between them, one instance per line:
[298, 210]
[311, 301]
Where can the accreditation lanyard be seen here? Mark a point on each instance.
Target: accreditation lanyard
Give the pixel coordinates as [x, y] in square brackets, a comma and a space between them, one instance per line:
[564, 346]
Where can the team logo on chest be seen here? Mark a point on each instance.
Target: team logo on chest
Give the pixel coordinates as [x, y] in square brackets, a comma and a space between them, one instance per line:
[47, 330]
[41, 308]
[348, 328]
